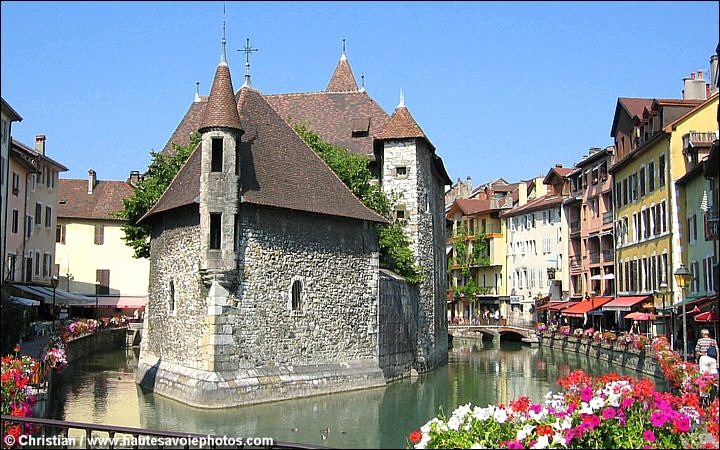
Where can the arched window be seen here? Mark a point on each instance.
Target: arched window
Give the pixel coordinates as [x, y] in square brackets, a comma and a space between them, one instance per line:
[297, 295]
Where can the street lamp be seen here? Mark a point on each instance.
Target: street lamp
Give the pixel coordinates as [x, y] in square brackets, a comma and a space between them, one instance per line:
[682, 278]
[54, 283]
[663, 290]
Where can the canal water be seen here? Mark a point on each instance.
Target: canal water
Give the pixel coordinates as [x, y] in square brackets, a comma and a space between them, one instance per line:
[101, 389]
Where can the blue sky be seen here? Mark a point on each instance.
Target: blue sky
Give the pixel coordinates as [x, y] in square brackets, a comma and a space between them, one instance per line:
[501, 89]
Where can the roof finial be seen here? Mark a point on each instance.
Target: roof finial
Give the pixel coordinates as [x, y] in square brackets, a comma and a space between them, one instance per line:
[247, 50]
[197, 91]
[223, 60]
[362, 76]
[343, 51]
[402, 99]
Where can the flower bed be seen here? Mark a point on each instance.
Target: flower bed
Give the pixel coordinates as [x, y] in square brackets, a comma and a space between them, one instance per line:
[604, 412]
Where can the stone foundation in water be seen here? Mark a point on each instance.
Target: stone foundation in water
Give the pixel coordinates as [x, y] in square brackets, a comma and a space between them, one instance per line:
[205, 389]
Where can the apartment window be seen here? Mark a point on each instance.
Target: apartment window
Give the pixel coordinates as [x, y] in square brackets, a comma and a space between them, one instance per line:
[37, 263]
[216, 164]
[618, 194]
[28, 226]
[41, 175]
[625, 191]
[401, 171]
[50, 178]
[15, 221]
[102, 279]
[661, 171]
[60, 234]
[651, 176]
[48, 216]
[38, 214]
[47, 263]
[400, 214]
[11, 267]
[99, 234]
[15, 184]
[215, 236]
[642, 182]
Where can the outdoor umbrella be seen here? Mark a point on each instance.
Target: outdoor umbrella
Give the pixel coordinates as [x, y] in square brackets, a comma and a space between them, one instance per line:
[636, 315]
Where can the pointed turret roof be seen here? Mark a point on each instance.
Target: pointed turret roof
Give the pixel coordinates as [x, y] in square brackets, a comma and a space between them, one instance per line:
[401, 125]
[342, 79]
[221, 110]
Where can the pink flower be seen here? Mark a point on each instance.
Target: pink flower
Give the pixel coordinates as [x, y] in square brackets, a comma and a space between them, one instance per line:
[609, 413]
[649, 436]
[683, 423]
[627, 402]
[586, 394]
[657, 418]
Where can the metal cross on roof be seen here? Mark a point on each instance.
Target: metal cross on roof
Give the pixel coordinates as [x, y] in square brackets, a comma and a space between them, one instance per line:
[247, 50]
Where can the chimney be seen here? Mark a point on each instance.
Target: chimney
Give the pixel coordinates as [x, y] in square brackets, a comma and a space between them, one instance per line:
[522, 193]
[695, 88]
[40, 144]
[713, 74]
[134, 178]
[92, 181]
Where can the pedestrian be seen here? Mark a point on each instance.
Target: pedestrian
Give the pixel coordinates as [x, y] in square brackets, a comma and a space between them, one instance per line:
[635, 329]
[497, 316]
[705, 342]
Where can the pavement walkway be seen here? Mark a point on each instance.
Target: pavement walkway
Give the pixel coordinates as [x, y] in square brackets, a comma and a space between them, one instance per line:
[35, 347]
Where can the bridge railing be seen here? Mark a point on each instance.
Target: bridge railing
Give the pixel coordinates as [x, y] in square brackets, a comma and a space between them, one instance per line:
[35, 432]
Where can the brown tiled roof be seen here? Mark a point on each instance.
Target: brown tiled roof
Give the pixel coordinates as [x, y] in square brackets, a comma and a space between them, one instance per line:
[543, 202]
[277, 169]
[401, 125]
[342, 80]
[187, 126]
[336, 117]
[74, 202]
[221, 110]
[469, 206]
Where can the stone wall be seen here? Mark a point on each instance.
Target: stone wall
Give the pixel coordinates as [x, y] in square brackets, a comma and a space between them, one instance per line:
[398, 326]
[642, 361]
[253, 346]
[98, 342]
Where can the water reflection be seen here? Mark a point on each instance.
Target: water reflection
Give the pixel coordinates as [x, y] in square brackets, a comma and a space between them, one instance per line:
[101, 389]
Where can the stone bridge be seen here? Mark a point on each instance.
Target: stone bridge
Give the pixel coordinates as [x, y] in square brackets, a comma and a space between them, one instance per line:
[490, 332]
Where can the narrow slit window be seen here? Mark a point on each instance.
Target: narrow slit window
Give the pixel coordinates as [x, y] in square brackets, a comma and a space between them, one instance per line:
[215, 222]
[217, 155]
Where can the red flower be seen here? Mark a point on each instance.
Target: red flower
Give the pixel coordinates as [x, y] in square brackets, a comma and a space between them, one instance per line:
[416, 436]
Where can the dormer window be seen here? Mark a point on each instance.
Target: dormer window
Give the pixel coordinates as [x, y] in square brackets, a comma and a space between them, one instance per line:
[361, 127]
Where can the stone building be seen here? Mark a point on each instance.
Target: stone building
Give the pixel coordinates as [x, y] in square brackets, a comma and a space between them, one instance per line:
[264, 267]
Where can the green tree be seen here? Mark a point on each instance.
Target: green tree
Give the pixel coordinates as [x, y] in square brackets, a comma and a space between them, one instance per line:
[352, 169]
[150, 188]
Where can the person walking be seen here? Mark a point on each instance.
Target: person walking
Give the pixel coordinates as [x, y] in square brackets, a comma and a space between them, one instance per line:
[703, 344]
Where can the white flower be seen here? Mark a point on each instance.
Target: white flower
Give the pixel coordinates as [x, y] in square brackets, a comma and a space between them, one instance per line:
[481, 414]
[596, 403]
[542, 442]
[523, 432]
[500, 415]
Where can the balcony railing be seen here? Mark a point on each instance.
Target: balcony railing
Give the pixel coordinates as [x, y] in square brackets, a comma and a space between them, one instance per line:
[594, 257]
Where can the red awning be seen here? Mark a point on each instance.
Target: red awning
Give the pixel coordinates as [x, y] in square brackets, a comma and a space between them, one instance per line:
[580, 308]
[624, 303]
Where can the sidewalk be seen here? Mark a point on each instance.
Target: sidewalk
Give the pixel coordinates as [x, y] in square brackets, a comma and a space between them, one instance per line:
[35, 347]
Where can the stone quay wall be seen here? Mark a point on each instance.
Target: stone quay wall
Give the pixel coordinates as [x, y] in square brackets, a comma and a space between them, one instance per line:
[641, 360]
[97, 342]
